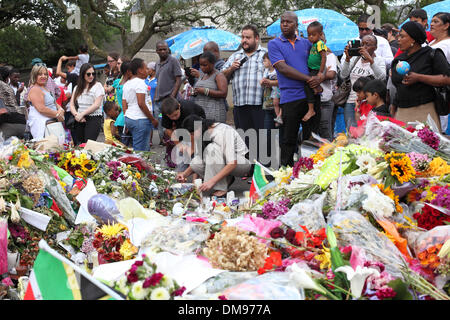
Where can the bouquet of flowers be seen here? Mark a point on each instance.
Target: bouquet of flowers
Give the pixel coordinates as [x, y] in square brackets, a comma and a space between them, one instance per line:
[77, 163]
[112, 243]
[143, 282]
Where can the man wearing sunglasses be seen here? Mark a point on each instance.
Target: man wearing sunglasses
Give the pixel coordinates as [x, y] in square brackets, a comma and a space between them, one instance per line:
[383, 47]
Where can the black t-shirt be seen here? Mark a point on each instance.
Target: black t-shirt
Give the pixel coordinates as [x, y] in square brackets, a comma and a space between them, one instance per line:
[72, 78]
[382, 110]
[187, 108]
[421, 62]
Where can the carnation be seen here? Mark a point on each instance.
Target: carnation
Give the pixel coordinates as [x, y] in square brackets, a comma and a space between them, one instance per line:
[429, 138]
[138, 292]
[272, 210]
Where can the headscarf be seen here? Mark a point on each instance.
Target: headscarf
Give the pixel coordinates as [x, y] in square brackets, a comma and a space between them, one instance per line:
[415, 31]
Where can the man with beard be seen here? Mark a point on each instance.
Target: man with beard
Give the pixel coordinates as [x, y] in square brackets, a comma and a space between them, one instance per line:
[289, 56]
[245, 69]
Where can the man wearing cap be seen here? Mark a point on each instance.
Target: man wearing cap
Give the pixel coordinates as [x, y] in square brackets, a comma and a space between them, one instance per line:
[415, 96]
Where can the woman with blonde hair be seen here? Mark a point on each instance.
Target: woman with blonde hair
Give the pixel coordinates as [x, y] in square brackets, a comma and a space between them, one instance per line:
[43, 106]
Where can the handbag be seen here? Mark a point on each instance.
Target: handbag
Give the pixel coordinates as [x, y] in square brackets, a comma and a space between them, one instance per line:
[341, 94]
[441, 101]
[55, 128]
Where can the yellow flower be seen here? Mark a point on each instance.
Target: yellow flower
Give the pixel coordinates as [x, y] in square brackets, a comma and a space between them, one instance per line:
[110, 231]
[138, 175]
[401, 168]
[127, 250]
[438, 167]
[88, 165]
[79, 174]
[324, 258]
[25, 161]
[83, 157]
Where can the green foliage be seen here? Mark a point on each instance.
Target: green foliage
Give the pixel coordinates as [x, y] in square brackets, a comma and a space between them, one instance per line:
[401, 289]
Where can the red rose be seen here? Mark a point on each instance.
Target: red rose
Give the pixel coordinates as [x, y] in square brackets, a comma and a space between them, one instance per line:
[277, 233]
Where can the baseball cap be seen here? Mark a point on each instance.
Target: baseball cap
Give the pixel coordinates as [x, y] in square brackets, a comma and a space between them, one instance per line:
[36, 61]
[151, 65]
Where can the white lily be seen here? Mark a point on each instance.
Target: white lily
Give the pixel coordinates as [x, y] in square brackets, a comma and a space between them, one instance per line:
[302, 279]
[357, 277]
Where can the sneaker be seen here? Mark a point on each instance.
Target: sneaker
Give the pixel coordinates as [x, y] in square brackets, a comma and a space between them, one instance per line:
[278, 120]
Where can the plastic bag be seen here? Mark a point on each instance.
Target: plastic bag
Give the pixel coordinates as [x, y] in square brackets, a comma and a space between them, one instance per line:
[269, 286]
[223, 281]
[306, 213]
[179, 237]
[103, 209]
[56, 191]
[353, 229]
[429, 244]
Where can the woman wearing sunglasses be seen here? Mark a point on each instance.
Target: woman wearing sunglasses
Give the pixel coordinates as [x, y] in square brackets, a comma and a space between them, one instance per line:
[85, 106]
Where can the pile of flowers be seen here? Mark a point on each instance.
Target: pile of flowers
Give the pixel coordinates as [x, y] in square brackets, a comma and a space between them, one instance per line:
[76, 163]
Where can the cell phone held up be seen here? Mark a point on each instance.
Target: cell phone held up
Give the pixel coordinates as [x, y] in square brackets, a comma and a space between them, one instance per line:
[243, 60]
[354, 46]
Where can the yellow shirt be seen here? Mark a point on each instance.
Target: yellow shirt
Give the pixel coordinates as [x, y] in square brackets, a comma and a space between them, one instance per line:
[107, 130]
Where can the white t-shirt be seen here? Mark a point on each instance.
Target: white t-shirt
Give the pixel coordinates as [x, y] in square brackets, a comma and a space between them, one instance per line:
[87, 98]
[82, 59]
[130, 89]
[229, 141]
[327, 85]
[384, 50]
[444, 45]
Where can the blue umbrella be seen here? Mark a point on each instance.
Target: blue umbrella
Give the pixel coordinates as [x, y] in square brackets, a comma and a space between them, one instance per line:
[190, 43]
[432, 9]
[338, 28]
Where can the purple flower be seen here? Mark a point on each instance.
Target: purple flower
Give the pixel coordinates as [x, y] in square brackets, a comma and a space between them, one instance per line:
[272, 210]
[429, 138]
[442, 198]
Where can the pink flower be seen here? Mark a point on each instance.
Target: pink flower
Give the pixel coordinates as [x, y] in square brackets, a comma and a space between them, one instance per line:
[138, 263]
[153, 280]
[385, 293]
[222, 297]
[179, 292]
[132, 277]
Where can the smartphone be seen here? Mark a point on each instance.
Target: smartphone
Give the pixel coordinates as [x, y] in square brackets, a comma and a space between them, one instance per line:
[187, 70]
[243, 60]
[353, 50]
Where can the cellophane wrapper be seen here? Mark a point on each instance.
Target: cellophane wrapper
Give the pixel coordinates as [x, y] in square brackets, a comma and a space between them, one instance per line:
[179, 237]
[437, 235]
[353, 229]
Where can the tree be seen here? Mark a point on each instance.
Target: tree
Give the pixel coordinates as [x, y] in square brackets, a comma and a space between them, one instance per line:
[161, 16]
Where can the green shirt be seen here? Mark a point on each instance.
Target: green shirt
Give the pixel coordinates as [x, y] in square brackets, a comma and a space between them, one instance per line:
[314, 58]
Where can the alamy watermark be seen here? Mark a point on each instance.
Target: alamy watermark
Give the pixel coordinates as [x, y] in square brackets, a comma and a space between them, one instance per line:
[74, 20]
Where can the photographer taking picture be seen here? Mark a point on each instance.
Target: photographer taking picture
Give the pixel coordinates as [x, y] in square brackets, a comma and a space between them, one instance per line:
[360, 62]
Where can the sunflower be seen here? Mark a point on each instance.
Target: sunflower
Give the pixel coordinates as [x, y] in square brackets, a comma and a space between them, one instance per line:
[402, 169]
[88, 166]
[109, 231]
[390, 193]
[80, 174]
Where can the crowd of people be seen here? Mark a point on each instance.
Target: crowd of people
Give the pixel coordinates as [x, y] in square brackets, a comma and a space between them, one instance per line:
[295, 85]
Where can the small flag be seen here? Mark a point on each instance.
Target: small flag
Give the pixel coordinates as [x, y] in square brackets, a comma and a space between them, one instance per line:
[260, 184]
[56, 278]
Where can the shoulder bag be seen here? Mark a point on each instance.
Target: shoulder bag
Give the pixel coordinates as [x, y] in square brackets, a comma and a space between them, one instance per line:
[343, 91]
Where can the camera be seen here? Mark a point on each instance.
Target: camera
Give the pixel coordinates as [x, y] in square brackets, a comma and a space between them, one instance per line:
[243, 60]
[353, 50]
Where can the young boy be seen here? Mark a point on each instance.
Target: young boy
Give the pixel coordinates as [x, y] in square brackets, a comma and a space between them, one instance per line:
[81, 58]
[316, 63]
[362, 107]
[271, 90]
[376, 92]
[112, 135]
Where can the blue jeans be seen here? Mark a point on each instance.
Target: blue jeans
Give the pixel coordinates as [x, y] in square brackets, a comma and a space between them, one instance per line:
[349, 115]
[156, 113]
[140, 132]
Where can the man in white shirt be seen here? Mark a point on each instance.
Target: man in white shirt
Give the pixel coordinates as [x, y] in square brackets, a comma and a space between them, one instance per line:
[383, 46]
